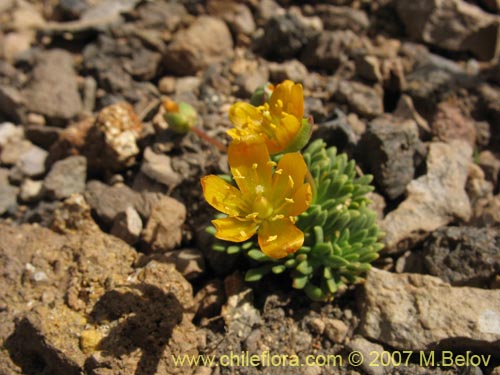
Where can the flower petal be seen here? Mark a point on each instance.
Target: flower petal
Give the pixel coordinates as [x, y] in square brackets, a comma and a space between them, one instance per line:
[234, 229]
[285, 131]
[250, 166]
[288, 97]
[300, 202]
[221, 195]
[279, 238]
[244, 115]
[289, 176]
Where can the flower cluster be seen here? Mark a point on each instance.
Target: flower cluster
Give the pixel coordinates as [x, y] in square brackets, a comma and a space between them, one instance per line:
[268, 195]
[308, 208]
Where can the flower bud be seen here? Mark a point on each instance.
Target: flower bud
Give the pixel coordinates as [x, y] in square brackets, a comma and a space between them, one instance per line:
[181, 117]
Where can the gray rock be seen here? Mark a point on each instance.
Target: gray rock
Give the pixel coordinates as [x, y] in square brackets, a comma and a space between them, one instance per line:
[419, 312]
[127, 226]
[66, 177]
[363, 100]
[109, 201]
[387, 148]
[291, 69]
[330, 48]
[434, 77]
[31, 163]
[463, 255]
[337, 132]
[367, 349]
[205, 42]
[454, 25]
[8, 193]
[433, 200]
[237, 15]
[158, 167]
[53, 88]
[110, 9]
[163, 231]
[285, 35]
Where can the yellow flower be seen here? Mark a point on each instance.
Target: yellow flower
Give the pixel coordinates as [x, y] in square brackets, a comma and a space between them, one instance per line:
[265, 202]
[277, 122]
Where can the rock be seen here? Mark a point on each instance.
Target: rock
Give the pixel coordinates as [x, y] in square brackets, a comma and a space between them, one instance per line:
[12, 103]
[120, 127]
[367, 349]
[9, 133]
[209, 299]
[433, 78]
[387, 148]
[236, 15]
[342, 18]
[454, 25]
[337, 132]
[31, 191]
[285, 35]
[66, 177]
[49, 337]
[15, 44]
[99, 304]
[205, 42]
[405, 109]
[463, 255]
[159, 15]
[315, 325]
[8, 193]
[450, 123]
[239, 312]
[110, 9]
[127, 226]
[362, 99]
[163, 231]
[31, 162]
[336, 330]
[109, 142]
[11, 152]
[329, 49]
[368, 67]
[158, 167]
[419, 312]
[293, 70]
[42, 136]
[189, 262]
[108, 201]
[490, 165]
[377, 204]
[53, 88]
[433, 200]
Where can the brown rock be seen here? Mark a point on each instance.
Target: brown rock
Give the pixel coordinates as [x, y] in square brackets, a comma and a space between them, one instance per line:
[450, 123]
[433, 200]
[455, 25]
[163, 231]
[108, 141]
[206, 41]
[419, 312]
[127, 225]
